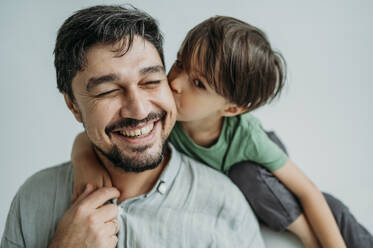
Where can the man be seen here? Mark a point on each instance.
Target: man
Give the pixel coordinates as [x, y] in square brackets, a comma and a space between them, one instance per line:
[110, 68]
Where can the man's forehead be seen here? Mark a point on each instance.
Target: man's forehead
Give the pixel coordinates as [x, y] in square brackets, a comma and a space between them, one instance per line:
[141, 59]
[138, 49]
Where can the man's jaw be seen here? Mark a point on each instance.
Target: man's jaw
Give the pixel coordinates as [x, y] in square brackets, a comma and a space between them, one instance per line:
[137, 145]
[115, 157]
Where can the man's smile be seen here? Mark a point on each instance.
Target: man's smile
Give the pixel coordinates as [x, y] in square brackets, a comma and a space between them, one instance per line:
[139, 135]
[139, 131]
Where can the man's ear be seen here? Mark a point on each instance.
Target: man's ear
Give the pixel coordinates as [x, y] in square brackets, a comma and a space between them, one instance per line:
[232, 110]
[73, 107]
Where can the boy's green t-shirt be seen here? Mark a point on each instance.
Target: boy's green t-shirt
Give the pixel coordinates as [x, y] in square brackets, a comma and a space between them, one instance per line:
[242, 138]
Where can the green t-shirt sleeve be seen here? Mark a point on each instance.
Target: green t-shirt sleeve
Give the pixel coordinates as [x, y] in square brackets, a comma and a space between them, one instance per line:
[263, 150]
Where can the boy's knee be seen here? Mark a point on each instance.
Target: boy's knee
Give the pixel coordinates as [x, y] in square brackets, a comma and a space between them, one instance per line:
[244, 173]
[271, 201]
[247, 177]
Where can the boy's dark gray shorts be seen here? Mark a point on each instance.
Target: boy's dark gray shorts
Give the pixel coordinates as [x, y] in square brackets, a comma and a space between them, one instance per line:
[272, 202]
[276, 207]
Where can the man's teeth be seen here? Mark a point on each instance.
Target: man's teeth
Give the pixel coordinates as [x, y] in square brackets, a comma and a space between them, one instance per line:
[138, 132]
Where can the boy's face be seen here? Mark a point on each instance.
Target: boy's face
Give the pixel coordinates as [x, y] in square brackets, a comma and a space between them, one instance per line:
[195, 99]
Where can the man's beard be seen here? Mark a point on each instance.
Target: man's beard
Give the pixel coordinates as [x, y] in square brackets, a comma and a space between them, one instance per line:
[120, 160]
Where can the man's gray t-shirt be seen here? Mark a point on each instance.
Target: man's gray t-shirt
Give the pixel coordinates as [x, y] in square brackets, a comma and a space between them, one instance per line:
[191, 205]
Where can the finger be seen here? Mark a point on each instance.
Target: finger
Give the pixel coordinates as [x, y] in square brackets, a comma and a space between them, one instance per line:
[117, 225]
[100, 196]
[112, 227]
[87, 191]
[113, 241]
[106, 213]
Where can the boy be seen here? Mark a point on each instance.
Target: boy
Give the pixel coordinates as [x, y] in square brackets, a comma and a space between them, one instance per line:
[226, 68]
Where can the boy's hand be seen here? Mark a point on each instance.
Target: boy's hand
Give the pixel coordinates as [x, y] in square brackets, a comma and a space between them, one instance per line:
[89, 223]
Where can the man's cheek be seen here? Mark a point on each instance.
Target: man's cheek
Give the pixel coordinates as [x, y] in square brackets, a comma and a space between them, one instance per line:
[95, 125]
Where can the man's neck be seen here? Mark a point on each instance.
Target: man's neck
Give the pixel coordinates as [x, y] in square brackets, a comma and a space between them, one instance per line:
[132, 184]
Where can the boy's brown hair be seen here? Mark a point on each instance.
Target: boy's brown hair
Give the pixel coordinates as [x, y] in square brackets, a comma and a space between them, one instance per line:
[236, 59]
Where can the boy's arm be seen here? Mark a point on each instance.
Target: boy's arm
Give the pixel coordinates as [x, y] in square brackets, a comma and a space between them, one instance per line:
[314, 204]
[87, 168]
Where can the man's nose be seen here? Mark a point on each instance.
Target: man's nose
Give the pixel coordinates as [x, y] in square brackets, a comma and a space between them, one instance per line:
[135, 105]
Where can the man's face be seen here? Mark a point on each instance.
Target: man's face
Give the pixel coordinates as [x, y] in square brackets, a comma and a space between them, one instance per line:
[125, 104]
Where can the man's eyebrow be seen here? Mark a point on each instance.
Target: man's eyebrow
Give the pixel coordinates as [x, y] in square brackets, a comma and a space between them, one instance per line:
[94, 81]
[151, 69]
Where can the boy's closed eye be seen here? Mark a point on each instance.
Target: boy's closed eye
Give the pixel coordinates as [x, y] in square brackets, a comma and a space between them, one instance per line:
[198, 83]
[179, 64]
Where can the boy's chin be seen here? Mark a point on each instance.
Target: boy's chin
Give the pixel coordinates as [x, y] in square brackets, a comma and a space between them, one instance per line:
[188, 118]
[182, 118]
[179, 117]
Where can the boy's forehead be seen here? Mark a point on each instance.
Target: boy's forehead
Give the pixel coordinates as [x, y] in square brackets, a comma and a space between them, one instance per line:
[193, 63]
[198, 55]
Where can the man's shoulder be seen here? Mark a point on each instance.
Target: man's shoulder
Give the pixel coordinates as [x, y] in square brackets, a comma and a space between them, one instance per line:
[211, 182]
[47, 191]
[202, 169]
[204, 191]
[38, 205]
[46, 180]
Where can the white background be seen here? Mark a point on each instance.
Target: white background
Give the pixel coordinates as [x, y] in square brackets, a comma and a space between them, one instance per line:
[324, 115]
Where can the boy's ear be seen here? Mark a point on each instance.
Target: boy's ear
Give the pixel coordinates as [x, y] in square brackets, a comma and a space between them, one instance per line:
[232, 110]
[73, 107]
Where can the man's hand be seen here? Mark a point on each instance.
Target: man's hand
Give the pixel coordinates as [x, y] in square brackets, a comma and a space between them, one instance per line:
[89, 223]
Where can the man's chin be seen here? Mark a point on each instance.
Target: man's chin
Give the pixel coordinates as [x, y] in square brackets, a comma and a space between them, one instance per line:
[140, 161]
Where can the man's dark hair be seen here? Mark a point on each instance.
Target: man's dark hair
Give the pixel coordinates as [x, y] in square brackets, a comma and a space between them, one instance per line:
[236, 59]
[103, 24]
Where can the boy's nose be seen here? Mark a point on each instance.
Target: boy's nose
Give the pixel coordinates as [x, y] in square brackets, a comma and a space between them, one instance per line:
[175, 86]
[172, 77]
